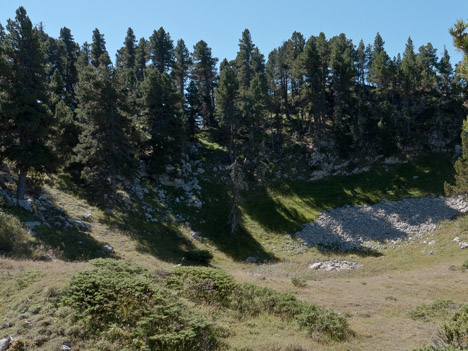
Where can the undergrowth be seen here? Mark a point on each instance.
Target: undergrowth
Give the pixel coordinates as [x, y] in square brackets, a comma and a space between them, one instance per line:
[208, 285]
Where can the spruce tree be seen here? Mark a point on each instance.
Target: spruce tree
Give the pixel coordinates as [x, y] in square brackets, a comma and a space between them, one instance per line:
[161, 50]
[26, 118]
[163, 120]
[204, 74]
[141, 58]
[460, 39]
[98, 49]
[107, 147]
[181, 66]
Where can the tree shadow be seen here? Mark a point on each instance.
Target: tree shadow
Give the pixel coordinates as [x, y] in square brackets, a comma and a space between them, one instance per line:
[56, 231]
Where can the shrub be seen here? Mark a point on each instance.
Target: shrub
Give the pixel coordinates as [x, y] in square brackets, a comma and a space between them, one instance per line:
[465, 265]
[199, 256]
[455, 332]
[438, 309]
[213, 286]
[117, 303]
[207, 285]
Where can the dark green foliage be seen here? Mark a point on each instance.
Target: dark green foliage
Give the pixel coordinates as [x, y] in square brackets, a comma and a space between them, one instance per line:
[437, 310]
[26, 121]
[162, 116]
[204, 74]
[182, 63]
[207, 285]
[98, 50]
[202, 257]
[461, 166]
[161, 50]
[107, 146]
[455, 331]
[119, 303]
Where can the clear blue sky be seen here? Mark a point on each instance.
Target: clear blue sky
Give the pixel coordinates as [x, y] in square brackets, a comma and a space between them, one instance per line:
[220, 23]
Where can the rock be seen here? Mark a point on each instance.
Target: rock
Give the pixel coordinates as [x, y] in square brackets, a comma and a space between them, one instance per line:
[32, 224]
[66, 346]
[5, 342]
[251, 259]
[415, 177]
[108, 249]
[456, 239]
[27, 205]
[335, 265]
[6, 325]
[463, 245]
[355, 227]
[48, 258]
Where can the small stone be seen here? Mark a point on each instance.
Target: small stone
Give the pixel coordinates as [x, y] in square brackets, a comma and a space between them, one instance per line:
[66, 346]
[109, 249]
[251, 259]
[430, 253]
[463, 245]
[32, 224]
[456, 239]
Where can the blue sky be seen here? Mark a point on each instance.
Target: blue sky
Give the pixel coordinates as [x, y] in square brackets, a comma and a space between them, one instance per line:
[220, 23]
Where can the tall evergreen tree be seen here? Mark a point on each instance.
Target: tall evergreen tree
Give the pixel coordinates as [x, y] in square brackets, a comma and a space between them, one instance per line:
[161, 50]
[181, 67]
[107, 147]
[26, 119]
[163, 119]
[70, 73]
[460, 40]
[204, 74]
[141, 58]
[98, 49]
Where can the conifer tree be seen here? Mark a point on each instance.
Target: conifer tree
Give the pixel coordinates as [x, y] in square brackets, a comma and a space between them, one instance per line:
[161, 50]
[70, 73]
[98, 49]
[163, 119]
[141, 58]
[107, 148]
[26, 119]
[204, 74]
[192, 109]
[460, 39]
[181, 66]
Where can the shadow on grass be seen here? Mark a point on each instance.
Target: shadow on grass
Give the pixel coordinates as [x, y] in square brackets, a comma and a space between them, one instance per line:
[285, 206]
[64, 241]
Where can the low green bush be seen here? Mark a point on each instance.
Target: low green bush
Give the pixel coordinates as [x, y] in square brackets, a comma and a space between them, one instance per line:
[455, 331]
[202, 284]
[118, 303]
[213, 286]
[437, 310]
[202, 257]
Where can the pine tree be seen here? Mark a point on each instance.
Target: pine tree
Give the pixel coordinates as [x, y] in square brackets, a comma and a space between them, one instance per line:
[98, 49]
[141, 58]
[163, 120]
[161, 50]
[192, 109]
[227, 100]
[70, 73]
[107, 147]
[460, 39]
[26, 119]
[204, 74]
[181, 67]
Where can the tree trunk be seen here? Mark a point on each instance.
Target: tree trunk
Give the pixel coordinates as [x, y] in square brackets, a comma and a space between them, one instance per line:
[21, 187]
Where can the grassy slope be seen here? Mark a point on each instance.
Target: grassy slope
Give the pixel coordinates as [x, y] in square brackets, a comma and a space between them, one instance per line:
[376, 298]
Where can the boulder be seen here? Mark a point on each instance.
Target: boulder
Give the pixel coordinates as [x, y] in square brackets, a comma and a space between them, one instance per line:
[5, 342]
[335, 265]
